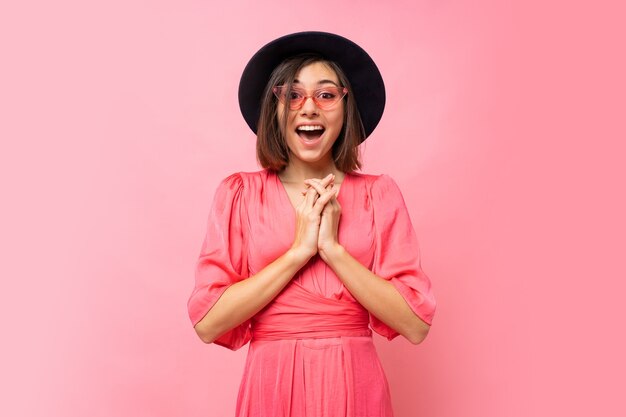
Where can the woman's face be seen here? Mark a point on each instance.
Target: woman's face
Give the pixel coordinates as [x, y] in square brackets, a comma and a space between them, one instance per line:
[311, 146]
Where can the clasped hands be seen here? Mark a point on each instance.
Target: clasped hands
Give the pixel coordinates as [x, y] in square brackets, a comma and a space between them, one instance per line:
[317, 218]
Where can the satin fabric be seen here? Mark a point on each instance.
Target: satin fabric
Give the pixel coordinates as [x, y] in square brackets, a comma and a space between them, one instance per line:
[311, 352]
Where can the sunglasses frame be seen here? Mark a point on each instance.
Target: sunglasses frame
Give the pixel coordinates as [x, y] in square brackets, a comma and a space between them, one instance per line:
[341, 93]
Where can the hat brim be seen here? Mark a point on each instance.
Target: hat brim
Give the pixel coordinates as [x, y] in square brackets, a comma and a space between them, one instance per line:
[365, 78]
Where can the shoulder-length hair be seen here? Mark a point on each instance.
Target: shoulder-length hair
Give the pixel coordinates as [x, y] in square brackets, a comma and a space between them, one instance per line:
[271, 147]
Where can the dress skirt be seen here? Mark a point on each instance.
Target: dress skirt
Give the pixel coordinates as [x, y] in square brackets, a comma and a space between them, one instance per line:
[332, 377]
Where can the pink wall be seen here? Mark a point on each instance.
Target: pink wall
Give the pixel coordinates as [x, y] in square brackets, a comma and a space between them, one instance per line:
[504, 128]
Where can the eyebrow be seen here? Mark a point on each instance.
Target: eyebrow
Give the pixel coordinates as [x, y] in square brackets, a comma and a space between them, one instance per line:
[296, 81]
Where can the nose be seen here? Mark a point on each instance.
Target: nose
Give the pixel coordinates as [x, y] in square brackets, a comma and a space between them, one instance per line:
[309, 106]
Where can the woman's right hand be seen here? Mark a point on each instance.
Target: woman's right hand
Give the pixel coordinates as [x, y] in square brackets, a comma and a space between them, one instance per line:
[308, 217]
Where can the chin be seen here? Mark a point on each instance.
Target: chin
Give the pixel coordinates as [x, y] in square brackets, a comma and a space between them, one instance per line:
[314, 154]
[307, 157]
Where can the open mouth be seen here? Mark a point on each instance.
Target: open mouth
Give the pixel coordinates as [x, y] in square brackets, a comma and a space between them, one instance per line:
[310, 133]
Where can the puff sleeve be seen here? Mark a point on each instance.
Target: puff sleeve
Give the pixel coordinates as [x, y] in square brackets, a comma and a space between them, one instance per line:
[397, 254]
[222, 260]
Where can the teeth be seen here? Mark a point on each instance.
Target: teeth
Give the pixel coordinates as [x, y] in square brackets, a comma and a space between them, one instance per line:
[310, 128]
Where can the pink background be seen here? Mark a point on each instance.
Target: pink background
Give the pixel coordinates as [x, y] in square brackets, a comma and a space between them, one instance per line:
[504, 128]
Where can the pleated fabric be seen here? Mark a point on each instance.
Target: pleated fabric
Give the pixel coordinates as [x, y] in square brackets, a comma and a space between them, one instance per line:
[311, 352]
[334, 377]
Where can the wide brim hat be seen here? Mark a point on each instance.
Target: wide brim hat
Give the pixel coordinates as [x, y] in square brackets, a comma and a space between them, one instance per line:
[367, 84]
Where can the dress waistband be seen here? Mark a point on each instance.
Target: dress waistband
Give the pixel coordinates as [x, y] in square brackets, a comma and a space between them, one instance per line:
[299, 314]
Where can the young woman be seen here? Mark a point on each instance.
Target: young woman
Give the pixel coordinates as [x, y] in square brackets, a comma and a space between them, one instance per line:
[302, 257]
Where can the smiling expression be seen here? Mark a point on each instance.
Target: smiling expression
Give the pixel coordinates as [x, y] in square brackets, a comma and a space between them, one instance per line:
[304, 125]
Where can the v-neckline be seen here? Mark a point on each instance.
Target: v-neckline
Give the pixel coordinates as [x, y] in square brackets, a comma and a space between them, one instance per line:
[285, 194]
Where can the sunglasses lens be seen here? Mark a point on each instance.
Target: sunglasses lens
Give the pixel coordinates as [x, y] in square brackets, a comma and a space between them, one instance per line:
[327, 97]
[295, 96]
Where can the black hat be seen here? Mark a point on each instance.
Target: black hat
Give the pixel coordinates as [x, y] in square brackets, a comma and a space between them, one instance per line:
[367, 84]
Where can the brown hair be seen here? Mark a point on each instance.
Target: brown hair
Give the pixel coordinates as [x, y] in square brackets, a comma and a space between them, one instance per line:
[271, 147]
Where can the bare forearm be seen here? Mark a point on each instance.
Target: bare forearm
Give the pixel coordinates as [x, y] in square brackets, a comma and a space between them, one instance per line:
[377, 295]
[245, 298]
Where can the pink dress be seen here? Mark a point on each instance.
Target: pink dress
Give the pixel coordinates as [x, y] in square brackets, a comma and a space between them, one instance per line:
[311, 352]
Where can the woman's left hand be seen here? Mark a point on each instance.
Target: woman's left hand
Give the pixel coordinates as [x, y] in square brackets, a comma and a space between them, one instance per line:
[327, 240]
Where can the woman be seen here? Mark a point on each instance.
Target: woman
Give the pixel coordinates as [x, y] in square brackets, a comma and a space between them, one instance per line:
[300, 257]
